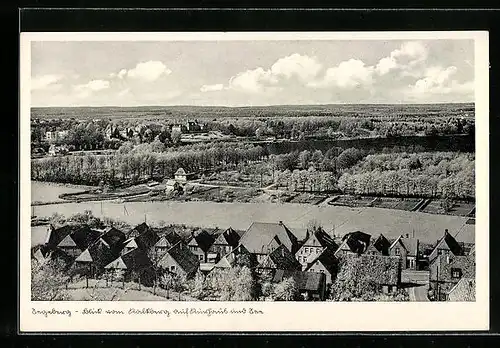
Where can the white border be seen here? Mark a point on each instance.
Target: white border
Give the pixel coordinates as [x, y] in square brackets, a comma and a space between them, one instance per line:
[279, 316]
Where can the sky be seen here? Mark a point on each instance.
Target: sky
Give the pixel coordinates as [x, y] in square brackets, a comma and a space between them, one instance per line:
[250, 73]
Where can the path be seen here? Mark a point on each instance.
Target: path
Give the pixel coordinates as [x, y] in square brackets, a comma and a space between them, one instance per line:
[420, 281]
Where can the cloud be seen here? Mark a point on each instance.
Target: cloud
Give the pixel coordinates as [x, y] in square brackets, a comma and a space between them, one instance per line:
[45, 82]
[84, 90]
[349, 74]
[254, 81]
[407, 56]
[212, 88]
[146, 71]
[438, 80]
[303, 67]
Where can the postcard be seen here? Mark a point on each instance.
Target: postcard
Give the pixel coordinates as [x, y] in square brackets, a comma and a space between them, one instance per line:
[257, 181]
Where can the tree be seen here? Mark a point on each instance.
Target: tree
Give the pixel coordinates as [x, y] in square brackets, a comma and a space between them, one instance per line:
[176, 136]
[48, 280]
[286, 290]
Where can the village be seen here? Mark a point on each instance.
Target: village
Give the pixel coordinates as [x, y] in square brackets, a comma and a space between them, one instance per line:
[321, 267]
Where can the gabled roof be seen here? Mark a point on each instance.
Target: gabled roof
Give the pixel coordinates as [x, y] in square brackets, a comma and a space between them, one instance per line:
[180, 171]
[381, 245]
[84, 236]
[280, 258]
[327, 258]
[67, 242]
[130, 243]
[168, 240]
[98, 253]
[356, 242]
[147, 239]
[410, 244]
[135, 259]
[260, 235]
[447, 242]
[305, 281]
[202, 239]
[320, 238]
[228, 237]
[113, 236]
[183, 257]
[138, 230]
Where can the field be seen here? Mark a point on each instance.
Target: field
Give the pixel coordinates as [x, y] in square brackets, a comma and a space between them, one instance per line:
[194, 112]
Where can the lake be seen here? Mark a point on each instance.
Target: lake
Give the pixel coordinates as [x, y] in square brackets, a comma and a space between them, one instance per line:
[462, 143]
[391, 223]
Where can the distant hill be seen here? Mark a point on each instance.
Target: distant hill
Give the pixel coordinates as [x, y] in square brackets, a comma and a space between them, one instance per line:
[186, 111]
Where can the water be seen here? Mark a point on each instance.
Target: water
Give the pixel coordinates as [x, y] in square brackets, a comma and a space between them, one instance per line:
[391, 223]
[49, 192]
[462, 143]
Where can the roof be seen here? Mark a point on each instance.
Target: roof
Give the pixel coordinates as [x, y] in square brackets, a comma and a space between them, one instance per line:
[322, 238]
[260, 234]
[113, 236]
[228, 237]
[464, 290]
[98, 253]
[183, 257]
[327, 258]
[135, 259]
[202, 239]
[447, 242]
[305, 281]
[168, 240]
[81, 234]
[180, 171]
[138, 230]
[280, 258]
[85, 236]
[410, 244]
[356, 242]
[147, 239]
[381, 245]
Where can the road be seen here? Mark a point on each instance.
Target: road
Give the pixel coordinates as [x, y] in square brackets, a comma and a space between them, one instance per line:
[419, 281]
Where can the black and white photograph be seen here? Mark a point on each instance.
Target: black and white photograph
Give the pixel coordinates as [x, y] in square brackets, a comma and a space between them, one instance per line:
[309, 170]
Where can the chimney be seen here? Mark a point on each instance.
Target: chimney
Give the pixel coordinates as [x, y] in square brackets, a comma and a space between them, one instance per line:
[280, 222]
[445, 231]
[407, 235]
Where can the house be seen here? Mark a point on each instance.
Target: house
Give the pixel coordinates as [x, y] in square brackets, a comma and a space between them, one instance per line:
[193, 126]
[135, 265]
[238, 256]
[262, 238]
[380, 246]
[180, 128]
[353, 243]
[315, 244]
[407, 250]
[114, 238]
[447, 245]
[383, 272]
[142, 236]
[182, 176]
[167, 241]
[200, 244]
[311, 285]
[326, 263]
[225, 242]
[463, 291]
[72, 239]
[93, 259]
[179, 260]
[446, 270]
[279, 259]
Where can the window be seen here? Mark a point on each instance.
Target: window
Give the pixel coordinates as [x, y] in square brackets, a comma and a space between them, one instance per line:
[172, 268]
[456, 273]
[396, 251]
[306, 250]
[201, 257]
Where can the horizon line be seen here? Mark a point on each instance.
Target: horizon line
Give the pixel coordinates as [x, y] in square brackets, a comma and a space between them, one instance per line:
[239, 106]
